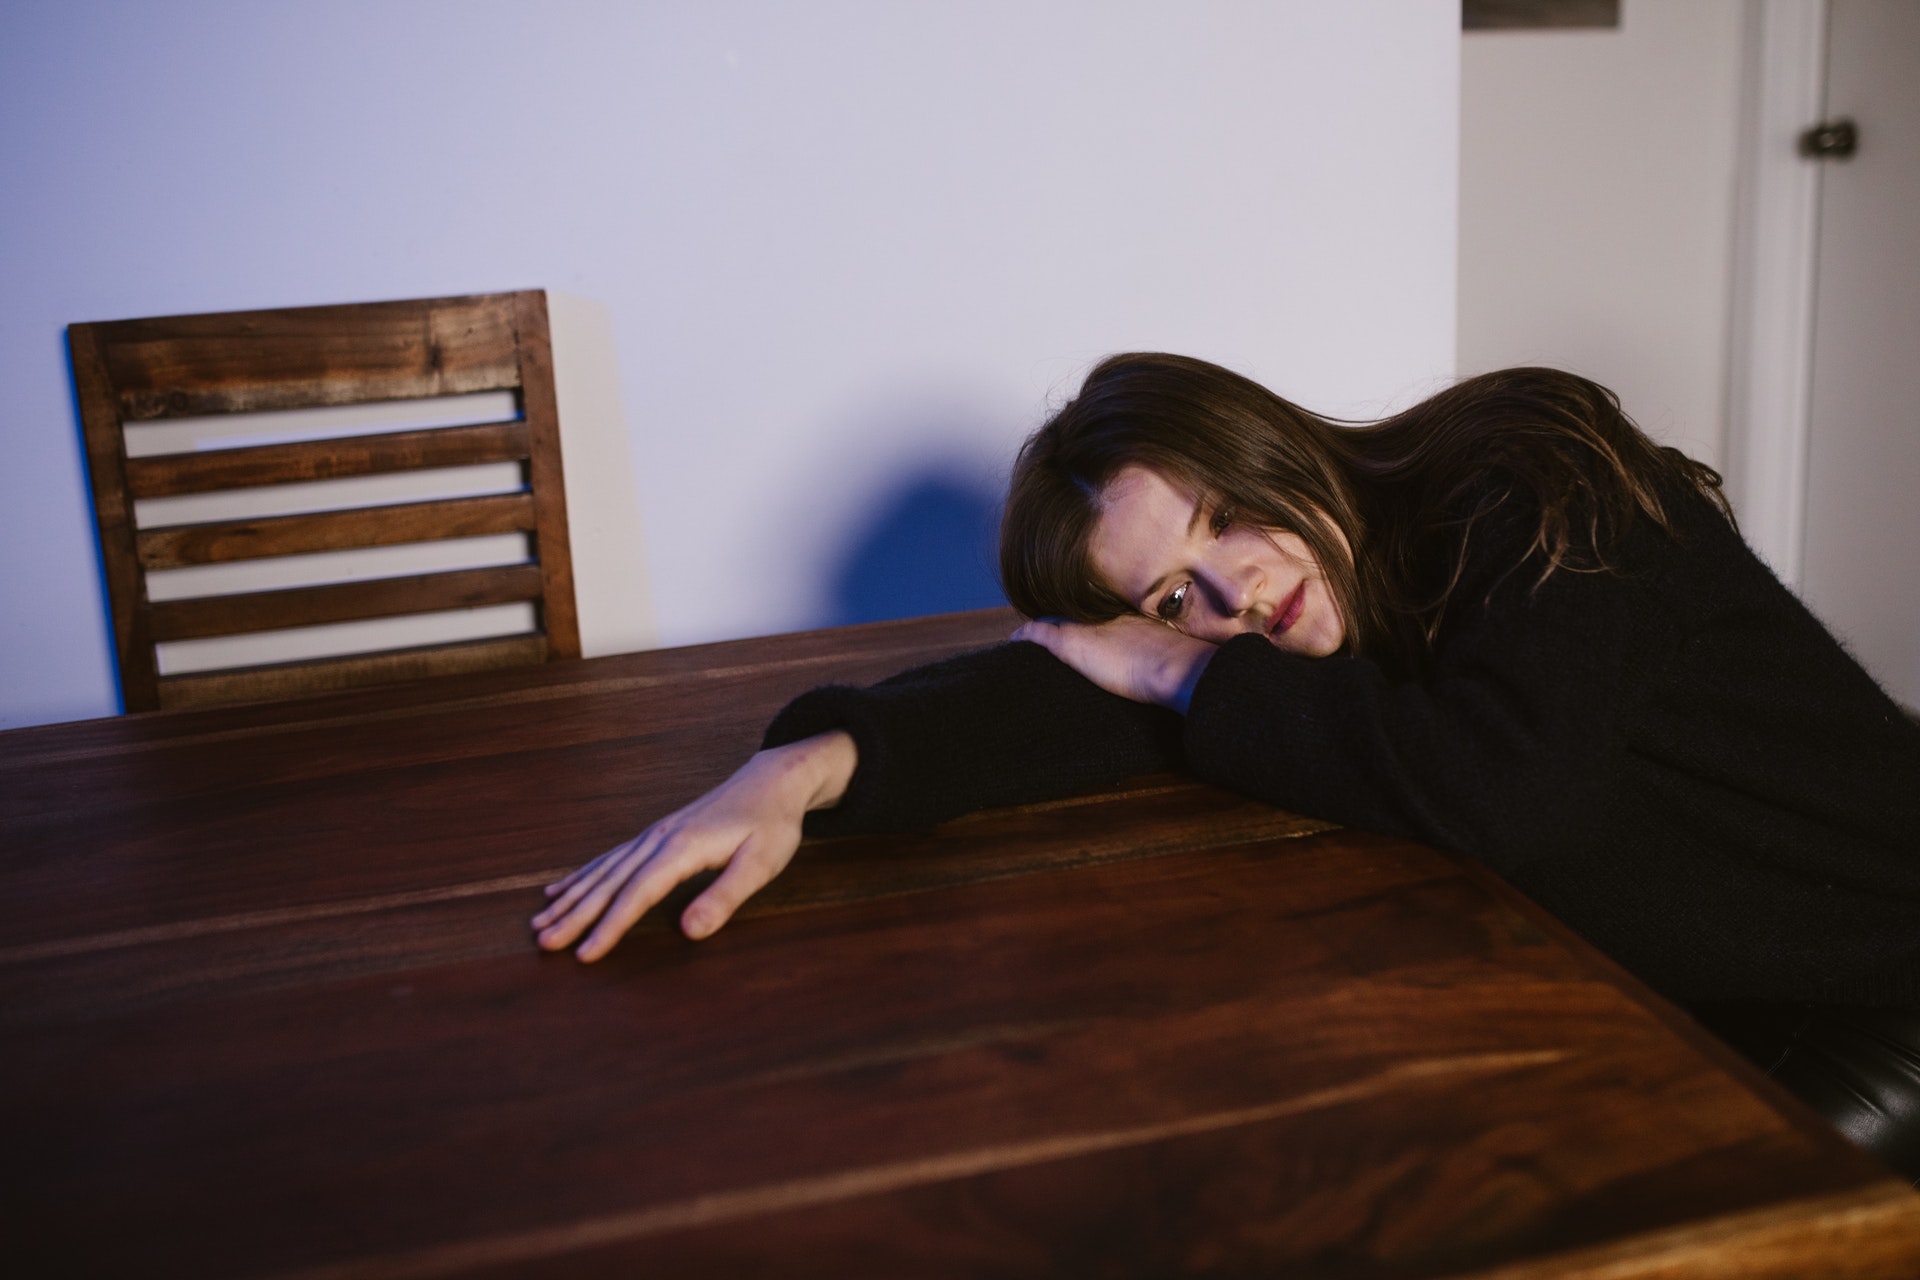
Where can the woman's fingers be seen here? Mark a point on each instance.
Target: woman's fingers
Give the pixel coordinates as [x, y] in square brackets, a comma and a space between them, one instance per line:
[1040, 632]
[745, 876]
[589, 877]
[564, 882]
[559, 885]
[585, 902]
[565, 890]
[637, 897]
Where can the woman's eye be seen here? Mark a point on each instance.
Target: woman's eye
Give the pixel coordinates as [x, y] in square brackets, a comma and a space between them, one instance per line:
[1174, 602]
[1222, 520]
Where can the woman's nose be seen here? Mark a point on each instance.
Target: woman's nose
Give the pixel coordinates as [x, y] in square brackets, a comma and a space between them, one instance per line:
[1235, 589]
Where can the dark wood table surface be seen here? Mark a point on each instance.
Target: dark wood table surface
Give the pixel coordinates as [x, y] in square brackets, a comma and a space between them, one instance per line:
[270, 1006]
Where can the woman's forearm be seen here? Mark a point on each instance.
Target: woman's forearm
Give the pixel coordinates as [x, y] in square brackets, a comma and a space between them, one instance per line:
[1001, 726]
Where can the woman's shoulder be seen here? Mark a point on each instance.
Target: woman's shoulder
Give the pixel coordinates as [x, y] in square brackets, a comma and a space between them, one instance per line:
[1501, 571]
[1505, 525]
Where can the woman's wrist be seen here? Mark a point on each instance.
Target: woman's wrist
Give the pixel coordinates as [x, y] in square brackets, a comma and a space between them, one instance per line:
[1182, 675]
[817, 770]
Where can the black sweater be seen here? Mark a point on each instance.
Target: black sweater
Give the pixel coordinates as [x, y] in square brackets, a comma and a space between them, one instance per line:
[1676, 758]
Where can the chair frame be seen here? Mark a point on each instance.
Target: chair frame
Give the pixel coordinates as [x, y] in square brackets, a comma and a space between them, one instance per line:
[150, 370]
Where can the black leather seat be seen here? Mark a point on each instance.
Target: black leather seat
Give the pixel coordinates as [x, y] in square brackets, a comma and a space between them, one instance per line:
[1859, 1067]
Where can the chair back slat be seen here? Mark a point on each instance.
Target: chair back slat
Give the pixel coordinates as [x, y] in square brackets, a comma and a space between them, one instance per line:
[250, 611]
[302, 357]
[295, 679]
[171, 474]
[185, 503]
[221, 540]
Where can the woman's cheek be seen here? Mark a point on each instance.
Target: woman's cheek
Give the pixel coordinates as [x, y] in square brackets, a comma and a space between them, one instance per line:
[1332, 631]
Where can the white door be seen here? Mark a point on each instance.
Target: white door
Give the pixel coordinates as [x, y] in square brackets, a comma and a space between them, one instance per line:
[1862, 566]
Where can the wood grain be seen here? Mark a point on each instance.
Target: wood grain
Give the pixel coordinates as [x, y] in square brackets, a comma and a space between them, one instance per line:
[343, 602]
[293, 679]
[306, 357]
[559, 617]
[224, 540]
[207, 956]
[748, 1203]
[113, 517]
[177, 801]
[165, 475]
[379, 731]
[1873, 1232]
[1350, 1062]
[272, 1008]
[254, 361]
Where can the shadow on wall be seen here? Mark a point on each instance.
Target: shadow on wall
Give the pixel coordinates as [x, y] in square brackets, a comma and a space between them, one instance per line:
[929, 548]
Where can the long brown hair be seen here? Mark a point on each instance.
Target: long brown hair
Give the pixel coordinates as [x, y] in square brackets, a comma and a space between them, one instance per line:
[1405, 493]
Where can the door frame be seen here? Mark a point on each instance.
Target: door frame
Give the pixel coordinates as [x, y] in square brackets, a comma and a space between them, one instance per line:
[1776, 243]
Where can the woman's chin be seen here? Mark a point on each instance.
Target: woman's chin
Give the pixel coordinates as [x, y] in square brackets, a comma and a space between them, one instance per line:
[1305, 639]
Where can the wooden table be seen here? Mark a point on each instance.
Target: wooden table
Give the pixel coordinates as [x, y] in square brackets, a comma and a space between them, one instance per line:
[271, 1007]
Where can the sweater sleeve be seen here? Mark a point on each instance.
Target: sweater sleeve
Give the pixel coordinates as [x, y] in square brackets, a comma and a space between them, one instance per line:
[1499, 748]
[1001, 726]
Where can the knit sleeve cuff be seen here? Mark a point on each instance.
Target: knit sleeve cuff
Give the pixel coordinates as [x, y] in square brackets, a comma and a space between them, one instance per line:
[822, 710]
[1002, 726]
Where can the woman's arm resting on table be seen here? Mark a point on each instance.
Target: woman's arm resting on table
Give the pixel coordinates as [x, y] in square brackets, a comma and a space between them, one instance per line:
[1000, 726]
[1007, 725]
[749, 825]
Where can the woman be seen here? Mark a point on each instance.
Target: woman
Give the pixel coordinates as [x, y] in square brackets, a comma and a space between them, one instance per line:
[1504, 622]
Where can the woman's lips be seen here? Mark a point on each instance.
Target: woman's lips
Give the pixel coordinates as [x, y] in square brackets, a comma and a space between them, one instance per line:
[1288, 613]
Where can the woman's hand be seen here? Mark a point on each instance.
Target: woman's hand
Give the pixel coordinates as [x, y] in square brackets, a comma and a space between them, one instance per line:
[1132, 656]
[749, 824]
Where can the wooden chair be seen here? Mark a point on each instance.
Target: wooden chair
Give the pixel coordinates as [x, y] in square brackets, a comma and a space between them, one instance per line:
[144, 371]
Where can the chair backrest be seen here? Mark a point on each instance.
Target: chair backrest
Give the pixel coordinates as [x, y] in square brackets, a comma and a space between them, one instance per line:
[166, 378]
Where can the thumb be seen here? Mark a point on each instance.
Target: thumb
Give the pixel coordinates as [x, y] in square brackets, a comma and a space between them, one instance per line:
[746, 874]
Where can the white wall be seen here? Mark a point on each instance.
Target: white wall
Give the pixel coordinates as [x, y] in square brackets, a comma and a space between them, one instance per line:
[840, 244]
[1597, 172]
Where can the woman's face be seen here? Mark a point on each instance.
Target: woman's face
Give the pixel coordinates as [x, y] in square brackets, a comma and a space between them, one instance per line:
[1213, 578]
